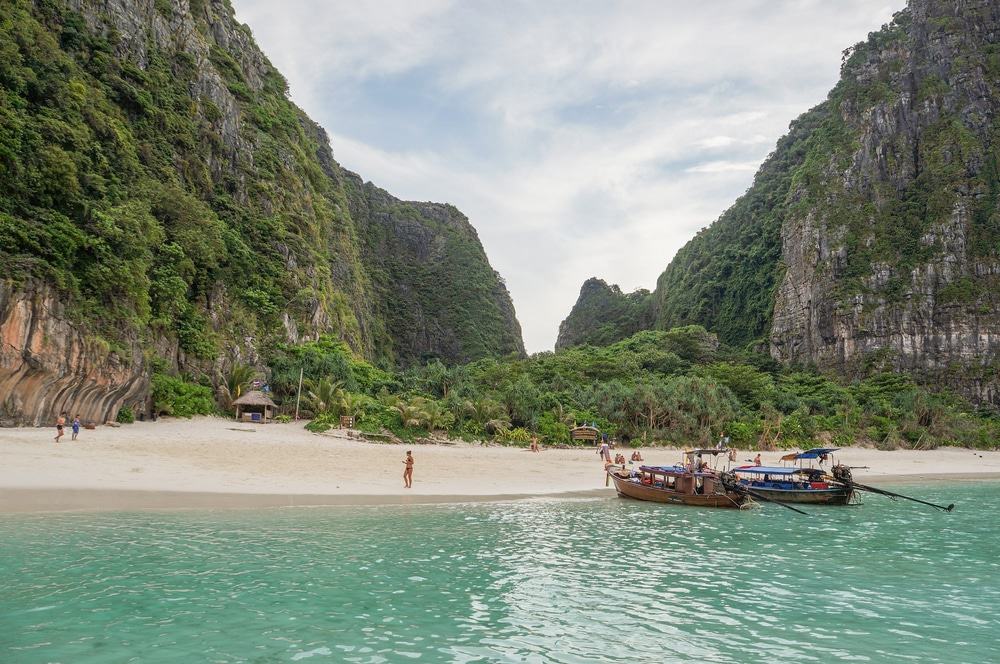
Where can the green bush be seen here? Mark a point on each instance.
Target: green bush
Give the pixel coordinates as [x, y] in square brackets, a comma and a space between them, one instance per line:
[177, 397]
[125, 415]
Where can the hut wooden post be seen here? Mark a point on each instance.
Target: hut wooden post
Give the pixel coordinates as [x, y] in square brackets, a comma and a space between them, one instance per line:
[298, 395]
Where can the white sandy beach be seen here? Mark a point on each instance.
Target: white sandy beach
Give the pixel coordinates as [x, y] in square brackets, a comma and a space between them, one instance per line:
[207, 462]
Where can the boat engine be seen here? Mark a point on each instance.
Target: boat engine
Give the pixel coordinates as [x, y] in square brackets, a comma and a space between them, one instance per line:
[730, 482]
[842, 473]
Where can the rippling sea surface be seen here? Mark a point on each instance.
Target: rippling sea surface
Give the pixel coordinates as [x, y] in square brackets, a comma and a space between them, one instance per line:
[532, 581]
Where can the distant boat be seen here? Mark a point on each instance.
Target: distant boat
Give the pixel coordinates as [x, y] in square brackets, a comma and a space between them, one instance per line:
[691, 484]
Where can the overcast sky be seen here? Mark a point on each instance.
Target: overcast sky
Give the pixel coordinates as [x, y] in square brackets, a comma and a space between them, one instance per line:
[580, 138]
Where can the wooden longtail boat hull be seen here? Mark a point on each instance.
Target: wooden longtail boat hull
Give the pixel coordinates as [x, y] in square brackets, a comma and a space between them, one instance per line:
[831, 496]
[629, 489]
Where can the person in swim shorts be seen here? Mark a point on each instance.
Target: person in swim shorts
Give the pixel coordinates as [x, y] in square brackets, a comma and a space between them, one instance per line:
[60, 423]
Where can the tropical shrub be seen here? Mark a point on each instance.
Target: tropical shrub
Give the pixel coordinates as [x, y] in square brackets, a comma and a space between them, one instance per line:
[180, 398]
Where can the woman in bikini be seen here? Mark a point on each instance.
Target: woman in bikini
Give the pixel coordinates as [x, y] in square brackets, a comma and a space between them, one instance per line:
[408, 471]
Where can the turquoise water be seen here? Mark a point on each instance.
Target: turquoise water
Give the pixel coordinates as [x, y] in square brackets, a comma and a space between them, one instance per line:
[533, 581]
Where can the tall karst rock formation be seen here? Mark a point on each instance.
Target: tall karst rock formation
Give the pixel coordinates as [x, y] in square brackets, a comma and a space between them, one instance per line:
[163, 202]
[871, 235]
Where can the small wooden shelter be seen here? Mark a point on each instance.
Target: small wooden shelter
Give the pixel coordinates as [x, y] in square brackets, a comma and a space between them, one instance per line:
[585, 432]
[254, 406]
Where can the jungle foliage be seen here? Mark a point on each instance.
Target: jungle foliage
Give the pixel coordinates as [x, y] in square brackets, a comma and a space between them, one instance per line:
[678, 386]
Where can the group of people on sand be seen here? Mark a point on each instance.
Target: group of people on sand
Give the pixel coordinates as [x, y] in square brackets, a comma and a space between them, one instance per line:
[61, 423]
[604, 451]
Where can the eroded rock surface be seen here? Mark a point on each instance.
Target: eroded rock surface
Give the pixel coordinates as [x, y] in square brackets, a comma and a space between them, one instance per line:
[48, 365]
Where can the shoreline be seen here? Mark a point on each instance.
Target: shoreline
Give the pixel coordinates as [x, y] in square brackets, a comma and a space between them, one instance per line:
[47, 500]
[33, 500]
[205, 463]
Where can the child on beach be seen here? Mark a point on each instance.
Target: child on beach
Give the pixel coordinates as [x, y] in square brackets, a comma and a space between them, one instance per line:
[60, 423]
[76, 426]
[408, 471]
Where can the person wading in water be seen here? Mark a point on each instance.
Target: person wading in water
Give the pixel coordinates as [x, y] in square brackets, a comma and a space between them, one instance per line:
[408, 471]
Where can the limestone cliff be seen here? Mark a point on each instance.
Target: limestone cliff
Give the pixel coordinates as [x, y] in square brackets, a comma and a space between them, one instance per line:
[48, 366]
[871, 235]
[156, 181]
[892, 241]
[603, 314]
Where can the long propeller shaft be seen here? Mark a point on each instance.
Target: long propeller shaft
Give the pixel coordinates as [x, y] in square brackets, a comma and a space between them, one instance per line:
[893, 494]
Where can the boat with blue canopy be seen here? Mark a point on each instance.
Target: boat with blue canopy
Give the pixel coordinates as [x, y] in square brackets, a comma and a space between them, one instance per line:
[794, 485]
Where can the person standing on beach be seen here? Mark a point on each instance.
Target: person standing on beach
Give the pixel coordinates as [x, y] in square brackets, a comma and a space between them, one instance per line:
[408, 471]
[76, 426]
[60, 423]
[605, 452]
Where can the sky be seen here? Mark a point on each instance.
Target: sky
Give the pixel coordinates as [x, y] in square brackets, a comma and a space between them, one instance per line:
[580, 138]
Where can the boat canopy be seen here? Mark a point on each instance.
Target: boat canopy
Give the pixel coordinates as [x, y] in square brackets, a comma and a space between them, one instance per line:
[712, 450]
[768, 470]
[675, 470]
[816, 452]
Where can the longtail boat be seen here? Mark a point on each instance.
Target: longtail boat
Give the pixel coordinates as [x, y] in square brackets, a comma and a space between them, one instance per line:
[794, 485]
[693, 483]
[797, 484]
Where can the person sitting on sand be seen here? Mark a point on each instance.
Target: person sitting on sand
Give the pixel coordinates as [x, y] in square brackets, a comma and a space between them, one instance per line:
[732, 454]
[756, 459]
[408, 471]
[60, 423]
[636, 456]
[76, 426]
[620, 459]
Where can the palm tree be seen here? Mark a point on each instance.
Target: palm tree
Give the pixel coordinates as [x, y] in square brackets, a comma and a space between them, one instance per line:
[235, 382]
[324, 395]
[352, 404]
[411, 413]
[437, 417]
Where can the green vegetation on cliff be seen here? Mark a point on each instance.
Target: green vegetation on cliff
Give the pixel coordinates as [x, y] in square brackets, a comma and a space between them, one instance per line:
[725, 277]
[872, 231]
[165, 184]
[603, 314]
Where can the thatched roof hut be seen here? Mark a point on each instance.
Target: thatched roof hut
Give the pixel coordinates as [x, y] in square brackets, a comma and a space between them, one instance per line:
[254, 406]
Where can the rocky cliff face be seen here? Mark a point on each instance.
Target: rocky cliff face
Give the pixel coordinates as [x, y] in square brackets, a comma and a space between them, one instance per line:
[434, 286]
[603, 314]
[48, 365]
[894, 257]
[156, 178]
[871, 235]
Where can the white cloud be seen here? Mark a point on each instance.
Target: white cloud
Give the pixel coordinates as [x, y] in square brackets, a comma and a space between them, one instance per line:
[724, 166]
[581, 138]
